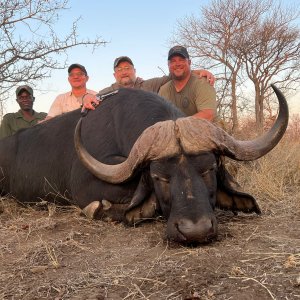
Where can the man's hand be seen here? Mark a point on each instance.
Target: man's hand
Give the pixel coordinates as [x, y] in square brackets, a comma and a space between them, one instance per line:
[204, 73]
[89, 101]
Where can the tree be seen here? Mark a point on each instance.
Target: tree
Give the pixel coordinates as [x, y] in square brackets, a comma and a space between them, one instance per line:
[229, 37]
[271, 55]
[30, 47]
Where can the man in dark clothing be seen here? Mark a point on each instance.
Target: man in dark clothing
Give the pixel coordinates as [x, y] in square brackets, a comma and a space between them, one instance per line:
[26, 117]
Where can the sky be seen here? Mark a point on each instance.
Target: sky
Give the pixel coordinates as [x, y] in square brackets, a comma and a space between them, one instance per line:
[139, 29]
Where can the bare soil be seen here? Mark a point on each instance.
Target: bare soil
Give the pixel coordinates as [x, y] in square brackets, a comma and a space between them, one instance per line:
[55, 253]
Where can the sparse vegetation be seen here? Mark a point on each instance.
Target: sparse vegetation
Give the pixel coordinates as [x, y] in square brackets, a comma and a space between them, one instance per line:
[55, 253]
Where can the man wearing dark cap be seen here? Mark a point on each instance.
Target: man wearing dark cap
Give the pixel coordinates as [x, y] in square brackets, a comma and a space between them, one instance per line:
[125, 75]
[26, 117]
[77, 77]
[190, 94]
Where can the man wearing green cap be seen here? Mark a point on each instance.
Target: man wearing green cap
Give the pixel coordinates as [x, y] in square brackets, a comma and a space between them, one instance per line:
[26, 117]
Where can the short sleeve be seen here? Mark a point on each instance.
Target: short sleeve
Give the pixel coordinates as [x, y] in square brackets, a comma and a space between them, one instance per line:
[205, 95]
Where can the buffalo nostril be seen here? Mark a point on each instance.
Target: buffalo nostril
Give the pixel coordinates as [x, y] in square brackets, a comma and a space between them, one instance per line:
[200, 231]
[211, 229]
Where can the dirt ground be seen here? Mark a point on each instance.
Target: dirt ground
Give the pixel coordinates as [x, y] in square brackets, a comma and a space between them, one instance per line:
[55, 253]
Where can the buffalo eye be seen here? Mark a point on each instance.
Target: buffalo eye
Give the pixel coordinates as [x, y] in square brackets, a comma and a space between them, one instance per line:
[213, 168]
[159, 178]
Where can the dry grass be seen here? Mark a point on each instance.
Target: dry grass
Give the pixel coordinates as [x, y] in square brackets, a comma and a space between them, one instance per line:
[53, 252]
[275, 176]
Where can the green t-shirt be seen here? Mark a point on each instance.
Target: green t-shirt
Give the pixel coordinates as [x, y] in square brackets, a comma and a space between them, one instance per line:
[12, 122]
[197, 95]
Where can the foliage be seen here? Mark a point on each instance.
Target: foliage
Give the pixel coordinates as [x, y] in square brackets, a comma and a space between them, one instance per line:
[30, 43]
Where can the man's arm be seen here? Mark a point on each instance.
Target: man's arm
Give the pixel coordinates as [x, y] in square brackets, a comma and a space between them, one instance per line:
[5, 129]
[109, 89]
[154, 84]
[208, 114]
[210, 78]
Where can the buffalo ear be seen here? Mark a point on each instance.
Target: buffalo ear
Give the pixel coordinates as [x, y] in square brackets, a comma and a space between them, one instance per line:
[143, 204]
[142, 192]
[235, 201]
[142, 212]
[230, 195]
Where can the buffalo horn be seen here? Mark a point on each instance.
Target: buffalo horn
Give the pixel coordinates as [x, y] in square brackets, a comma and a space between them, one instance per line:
[155, 142]
[199, 135]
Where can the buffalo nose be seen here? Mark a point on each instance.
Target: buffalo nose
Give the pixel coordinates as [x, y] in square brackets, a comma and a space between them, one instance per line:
[201, 231]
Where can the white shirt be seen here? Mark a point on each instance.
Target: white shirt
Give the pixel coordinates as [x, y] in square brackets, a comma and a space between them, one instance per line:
[64, 103]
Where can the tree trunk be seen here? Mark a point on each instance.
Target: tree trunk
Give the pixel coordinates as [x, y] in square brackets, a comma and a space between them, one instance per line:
[234, 104]
[259, 111]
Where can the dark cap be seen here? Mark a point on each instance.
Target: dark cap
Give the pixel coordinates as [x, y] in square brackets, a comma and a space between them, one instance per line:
[121, 59]
[74, 66]
[178, 50]
[26, 88]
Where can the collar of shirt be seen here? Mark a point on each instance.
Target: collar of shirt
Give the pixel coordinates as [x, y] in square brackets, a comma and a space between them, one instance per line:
[36, 115]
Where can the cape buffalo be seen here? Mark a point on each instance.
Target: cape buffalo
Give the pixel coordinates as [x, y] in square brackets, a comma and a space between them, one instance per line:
[135, 155]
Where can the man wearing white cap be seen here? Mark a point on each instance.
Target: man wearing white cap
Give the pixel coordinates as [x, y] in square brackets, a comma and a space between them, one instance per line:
[63, 103]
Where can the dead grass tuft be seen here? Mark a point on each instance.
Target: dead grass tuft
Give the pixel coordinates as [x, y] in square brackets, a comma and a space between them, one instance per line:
[274, 177]
[292, 261]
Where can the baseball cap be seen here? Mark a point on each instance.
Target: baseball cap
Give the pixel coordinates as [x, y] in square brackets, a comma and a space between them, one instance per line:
[178, 50]
[26, 88]
[79, 66]
[121, 59]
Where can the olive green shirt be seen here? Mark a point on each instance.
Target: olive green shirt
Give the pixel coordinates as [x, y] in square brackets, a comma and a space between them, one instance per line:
[12, 122]
[197, 95]
[150, 85]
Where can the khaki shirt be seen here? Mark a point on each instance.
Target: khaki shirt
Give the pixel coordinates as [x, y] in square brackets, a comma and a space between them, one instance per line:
[150, 85]
[197, 95]
[64, 103]
[12, 122]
